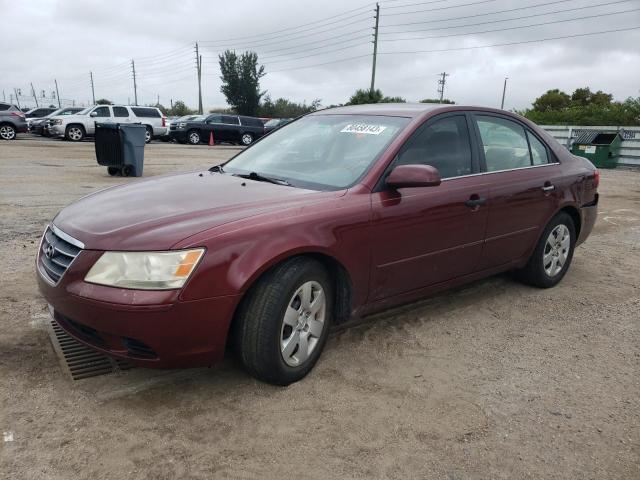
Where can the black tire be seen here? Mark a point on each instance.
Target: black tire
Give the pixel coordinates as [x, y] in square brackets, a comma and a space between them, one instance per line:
[246, 139]
[260, 321]
[148, 135]
[126, 170]
[7, 132]
[194, 137]
[75, 133]
[113, 171]
[534, 272]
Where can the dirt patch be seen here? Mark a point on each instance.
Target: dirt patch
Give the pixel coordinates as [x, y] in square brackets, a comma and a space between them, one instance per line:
[494, 380]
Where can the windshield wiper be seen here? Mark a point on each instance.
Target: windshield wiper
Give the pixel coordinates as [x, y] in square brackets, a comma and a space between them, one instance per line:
[262, 178]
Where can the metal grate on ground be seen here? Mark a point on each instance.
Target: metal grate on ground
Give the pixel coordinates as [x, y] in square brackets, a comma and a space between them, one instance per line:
[79, 361]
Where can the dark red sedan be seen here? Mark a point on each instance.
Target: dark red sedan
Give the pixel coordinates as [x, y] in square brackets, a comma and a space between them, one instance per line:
[342, 212]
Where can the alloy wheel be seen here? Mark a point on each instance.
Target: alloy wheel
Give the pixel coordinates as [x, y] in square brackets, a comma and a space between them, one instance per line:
[7, 132]
[247, 139]
[556, 250]
[75, 134]
[303, 323]
[194, 138]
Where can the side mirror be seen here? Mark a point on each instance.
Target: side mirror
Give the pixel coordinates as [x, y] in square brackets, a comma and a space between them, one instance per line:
[409, 176]
[93, 114]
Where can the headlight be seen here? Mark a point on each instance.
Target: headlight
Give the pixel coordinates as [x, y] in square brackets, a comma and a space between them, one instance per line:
[182, 125]
[145, 270]
[56, 122]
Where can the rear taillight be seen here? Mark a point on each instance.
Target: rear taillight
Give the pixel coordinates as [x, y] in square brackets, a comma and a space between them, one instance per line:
[596, 179]
[164, 121]
[18, 114]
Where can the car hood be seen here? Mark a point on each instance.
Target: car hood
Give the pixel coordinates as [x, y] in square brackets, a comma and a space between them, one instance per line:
[157, 213]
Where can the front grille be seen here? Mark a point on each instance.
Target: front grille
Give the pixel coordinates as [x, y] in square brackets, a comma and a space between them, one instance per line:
[56, 254]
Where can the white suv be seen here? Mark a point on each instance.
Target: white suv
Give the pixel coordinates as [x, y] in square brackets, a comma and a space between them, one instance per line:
[83, 124]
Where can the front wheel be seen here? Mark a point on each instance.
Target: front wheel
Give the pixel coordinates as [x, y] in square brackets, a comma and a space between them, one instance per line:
[284, 322]
[193, 137]
[247, 139]
[553, 254]
[75, 133]
[7, 132]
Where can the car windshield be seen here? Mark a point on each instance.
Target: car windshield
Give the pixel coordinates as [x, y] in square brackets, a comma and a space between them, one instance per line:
[272, 123]
[320, 152]
[84, 112]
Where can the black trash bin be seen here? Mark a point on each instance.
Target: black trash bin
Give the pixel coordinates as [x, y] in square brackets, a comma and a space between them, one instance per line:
[120, 148]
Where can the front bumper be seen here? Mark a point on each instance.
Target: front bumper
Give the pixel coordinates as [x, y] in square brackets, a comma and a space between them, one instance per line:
[56, 130]
[178, 135]
[152, 329]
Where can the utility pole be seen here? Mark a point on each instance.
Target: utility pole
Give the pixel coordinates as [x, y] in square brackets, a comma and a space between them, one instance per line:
[375, 51]
[135, 86]
[93, 91]
[57, 93]
[441, 84]
[4, 97]
[33, 92]
[15, 90]
[199, 69]
[504, 91]
[158, 102]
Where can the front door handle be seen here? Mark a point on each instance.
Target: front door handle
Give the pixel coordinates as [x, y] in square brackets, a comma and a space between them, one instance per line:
[548, 187]
[475, 201]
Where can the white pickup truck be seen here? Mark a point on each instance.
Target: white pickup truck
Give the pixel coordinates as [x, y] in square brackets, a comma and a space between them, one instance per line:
[83, 124]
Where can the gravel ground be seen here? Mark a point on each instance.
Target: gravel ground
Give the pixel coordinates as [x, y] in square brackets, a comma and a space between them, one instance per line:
[493, 380]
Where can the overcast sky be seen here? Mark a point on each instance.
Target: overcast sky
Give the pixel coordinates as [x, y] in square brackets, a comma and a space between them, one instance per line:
[43, 40]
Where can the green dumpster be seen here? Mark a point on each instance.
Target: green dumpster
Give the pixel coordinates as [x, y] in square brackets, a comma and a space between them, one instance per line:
[603, 149]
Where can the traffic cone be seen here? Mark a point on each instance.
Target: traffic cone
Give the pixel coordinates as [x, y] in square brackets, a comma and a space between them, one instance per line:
[211, 142]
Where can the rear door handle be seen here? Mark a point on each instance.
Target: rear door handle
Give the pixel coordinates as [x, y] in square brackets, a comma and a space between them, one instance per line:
[475, 201]
[548, 188]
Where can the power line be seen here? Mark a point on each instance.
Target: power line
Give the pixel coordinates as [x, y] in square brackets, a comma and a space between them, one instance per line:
[262, 35]
[514, 28]
[504, 20]
[512, 43]
[458, 17]
[448, 7]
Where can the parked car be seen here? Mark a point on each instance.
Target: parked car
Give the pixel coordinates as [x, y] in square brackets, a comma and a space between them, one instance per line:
[174, 120]
[40, 126]
[225, 128]
[274, 123]
[81, 125]
[38, 113]
[342, 212]
[12, 121]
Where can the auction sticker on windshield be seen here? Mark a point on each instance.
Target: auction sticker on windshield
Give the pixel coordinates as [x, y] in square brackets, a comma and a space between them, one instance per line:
[363, 128]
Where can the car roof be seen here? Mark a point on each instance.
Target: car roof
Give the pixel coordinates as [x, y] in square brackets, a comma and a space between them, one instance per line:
[410, 110]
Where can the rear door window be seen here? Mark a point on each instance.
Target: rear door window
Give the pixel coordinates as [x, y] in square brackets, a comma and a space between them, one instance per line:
[214, 119]
[230, 119]
[120, 112]
[4, 106]
[443, 144]
[504, 143]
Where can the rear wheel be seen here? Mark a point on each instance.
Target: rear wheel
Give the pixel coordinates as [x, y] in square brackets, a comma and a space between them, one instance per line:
[247, 139]
[193, 137]
[284, 322]
[75, 133]
[553, 254]
[7, 132]
[148, 134]
[127, 170]
[113, 171]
